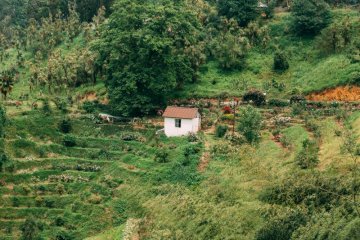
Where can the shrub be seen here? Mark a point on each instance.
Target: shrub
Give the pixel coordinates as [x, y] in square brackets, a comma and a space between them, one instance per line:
[190, 150]
[227, 117]
[62, 235]
[281, 227]
[308, 156]
[310, 16]
[235, 138]
[49, 203]
[59, 221]
[255, 96]
[297, 99]
[161, 156]
[250, 122]
[192, 137]
[281, 63]
[69, 141]
[132, 136]
[227, 110]
[29, 229]
[46, 107]
[2, 120]
[89, 107]
[65, 126]
[3, 159]
[15, 202]
[221, 131]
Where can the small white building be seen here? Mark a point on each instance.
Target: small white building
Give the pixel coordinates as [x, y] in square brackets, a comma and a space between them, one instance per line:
[180, 121]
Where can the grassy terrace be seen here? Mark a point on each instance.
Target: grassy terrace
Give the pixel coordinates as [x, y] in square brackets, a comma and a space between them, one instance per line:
[66, 188]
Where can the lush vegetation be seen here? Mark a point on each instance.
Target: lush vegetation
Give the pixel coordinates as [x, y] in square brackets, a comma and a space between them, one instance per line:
[269, 163]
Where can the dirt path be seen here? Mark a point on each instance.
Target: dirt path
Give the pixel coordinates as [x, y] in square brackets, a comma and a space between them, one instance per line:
[206, 157]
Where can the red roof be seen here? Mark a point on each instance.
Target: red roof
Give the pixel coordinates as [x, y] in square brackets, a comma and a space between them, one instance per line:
[181, 112]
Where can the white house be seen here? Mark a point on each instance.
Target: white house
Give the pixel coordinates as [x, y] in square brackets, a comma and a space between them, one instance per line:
[180, 121]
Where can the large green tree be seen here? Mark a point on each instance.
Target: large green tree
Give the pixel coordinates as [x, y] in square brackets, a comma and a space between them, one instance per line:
[243, 11]
[309, 17]
[149, 48]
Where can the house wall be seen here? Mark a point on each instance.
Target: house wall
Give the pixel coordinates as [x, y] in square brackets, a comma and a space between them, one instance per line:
[187, 126]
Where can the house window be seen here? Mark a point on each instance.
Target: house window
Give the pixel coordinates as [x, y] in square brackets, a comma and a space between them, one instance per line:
[178, 123]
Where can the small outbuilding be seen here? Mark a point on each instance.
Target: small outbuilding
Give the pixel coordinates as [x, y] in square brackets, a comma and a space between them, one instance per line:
[180, 121]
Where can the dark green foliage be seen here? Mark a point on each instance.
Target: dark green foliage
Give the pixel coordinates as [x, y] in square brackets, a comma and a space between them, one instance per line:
[162, 155]
[278, 102]
[89, 107]
[46, 107]
[221, 131]
[230, 51]
[255, 96]
[189, 151]
[309, 17]
[29, 229]
[308, 156]
[65, 125]
[243, 11]
[269, 11]
[153, 57]
[281, 227]
[342, 223]
[281, 63]
[192, 137]
[313, 190]
[250, 122]
[3, 160]
[2, 120]
[63, 235]
[69, 141]
[297, 99]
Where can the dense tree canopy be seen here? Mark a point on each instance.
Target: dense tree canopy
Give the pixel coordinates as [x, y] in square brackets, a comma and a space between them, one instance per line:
[310, 16]
[150, 49]
[243, 11]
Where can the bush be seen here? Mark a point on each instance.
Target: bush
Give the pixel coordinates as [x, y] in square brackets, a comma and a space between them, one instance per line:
[2, 120]
[192, 137]
[255, 96]
[69, 141]
[281, 227]
[191, 150]
[62, 235]
[29, 229]
[161, 156]
[89, 107]
[46, 107]
[308, 156]
[281, 63]
[309, 17]
[65, 126]
[297, 99]
[221, 131]
[250, 122]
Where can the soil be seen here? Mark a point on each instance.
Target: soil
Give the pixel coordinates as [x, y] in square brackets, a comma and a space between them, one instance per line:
[342, 93]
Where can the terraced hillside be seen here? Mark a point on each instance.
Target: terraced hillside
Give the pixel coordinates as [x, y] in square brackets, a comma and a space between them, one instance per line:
[87, 186]
[122, 181]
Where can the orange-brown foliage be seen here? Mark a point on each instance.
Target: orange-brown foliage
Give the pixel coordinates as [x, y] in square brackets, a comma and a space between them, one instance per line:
[343, 93]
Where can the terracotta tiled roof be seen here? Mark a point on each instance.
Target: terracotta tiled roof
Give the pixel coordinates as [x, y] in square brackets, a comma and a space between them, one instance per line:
[180, 112]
